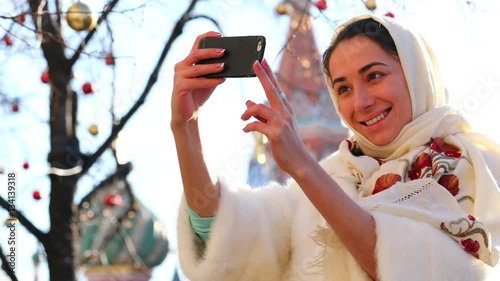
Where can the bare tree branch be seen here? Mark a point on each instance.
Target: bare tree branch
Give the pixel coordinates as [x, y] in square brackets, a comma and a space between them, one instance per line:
[152, 80]
[87, 38]
[6, 266]
[23, 220]
[210, 19]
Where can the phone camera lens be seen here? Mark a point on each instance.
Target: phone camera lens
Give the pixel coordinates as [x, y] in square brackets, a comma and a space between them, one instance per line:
[259, 46]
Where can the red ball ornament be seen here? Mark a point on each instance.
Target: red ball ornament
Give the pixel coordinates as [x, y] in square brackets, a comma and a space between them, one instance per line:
[112, 200]
[21, 18]
[15, 107]
[8, 41]
[110, 60]
[37, 195]
[321, 5]
[88, 88]
[26, 165]
[45, 78]
[389, 14]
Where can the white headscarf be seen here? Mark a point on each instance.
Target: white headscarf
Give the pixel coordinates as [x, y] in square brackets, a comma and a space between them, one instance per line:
[431, 118]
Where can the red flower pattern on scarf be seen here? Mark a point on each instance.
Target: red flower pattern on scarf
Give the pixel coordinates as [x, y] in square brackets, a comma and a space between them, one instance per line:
[421, 163]
[386, 181]
[450, 182]
[439, 161]
[471, 246]
[440, 146]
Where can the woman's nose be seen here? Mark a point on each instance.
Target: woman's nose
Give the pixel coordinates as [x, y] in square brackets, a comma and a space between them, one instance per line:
[362, 99]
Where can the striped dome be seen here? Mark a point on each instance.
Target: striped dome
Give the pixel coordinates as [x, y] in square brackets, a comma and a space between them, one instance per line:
[118, 231]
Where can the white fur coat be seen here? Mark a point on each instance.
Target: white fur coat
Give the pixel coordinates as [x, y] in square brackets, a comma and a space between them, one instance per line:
[275, 233]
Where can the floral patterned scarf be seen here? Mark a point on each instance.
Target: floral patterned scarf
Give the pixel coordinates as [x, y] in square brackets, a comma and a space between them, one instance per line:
[435, 183]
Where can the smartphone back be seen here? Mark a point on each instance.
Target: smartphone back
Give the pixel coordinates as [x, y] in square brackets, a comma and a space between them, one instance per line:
[240, 54]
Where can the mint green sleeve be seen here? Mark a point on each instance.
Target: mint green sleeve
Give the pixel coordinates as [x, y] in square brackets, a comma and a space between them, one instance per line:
[201, 226]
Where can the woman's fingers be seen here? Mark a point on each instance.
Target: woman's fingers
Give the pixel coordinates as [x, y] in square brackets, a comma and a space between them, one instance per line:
[246, 115]
[201, 36]
[199, 70]
[197, 55]
[272, 91]
[288, 106]
[199, 83]
[262, 113]
[270, 75]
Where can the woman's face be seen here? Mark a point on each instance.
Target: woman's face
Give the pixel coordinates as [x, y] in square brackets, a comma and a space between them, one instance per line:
[372, 93]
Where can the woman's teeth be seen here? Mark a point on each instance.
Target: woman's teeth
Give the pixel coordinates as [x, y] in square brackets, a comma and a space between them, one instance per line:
[377, 118]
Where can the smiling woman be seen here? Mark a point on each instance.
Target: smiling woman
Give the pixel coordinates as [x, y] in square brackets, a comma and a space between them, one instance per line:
[370, 87]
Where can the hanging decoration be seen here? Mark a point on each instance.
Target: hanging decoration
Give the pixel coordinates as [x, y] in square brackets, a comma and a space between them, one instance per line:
[88, 88]
[21, 18]
[371, 4]
[15, 107]
[11, 221]
[321, 5]
[7, 40]
[26, 165]
[45, 77]
[37, 195]
[284, 8]
[389, 14]
[109, 59]
[81, 17]
[112, 200]
[94, 130]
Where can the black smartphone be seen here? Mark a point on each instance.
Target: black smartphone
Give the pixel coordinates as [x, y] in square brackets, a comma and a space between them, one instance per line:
[239, 56]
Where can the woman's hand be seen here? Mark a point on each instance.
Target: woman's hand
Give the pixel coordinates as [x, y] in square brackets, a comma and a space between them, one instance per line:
[277, 123]
[191, 91]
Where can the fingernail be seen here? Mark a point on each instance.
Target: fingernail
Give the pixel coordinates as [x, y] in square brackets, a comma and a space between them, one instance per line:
[246, 103]
[220, 51]
[221, 65]
[264, 62]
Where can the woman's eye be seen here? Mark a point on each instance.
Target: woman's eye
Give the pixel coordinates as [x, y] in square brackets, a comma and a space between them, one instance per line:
[374, 75]
[342, 89]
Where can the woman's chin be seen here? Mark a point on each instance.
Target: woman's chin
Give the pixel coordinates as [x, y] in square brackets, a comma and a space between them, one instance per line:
[381, 140]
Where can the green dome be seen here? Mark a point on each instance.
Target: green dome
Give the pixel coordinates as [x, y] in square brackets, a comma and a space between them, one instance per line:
[115, 229]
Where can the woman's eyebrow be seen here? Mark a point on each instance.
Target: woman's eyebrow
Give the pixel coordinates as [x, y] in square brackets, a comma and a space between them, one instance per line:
[370, 65]
[360, 71]
[336, 80]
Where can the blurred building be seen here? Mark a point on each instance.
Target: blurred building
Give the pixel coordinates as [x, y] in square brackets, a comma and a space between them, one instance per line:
[119, 238]
[301, 77]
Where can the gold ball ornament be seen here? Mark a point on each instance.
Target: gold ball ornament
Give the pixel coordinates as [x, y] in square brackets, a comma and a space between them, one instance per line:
[284, 9]
[371, 4]
[93, 130]
[11, 222]
[81, 17]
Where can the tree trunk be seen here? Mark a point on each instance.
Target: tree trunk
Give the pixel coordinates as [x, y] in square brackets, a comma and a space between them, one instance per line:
[64, 146]
[64, 155]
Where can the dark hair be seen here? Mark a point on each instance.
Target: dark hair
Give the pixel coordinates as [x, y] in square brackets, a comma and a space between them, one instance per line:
[368, 28]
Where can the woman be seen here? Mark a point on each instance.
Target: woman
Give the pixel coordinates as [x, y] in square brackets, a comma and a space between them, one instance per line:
[409, 197]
